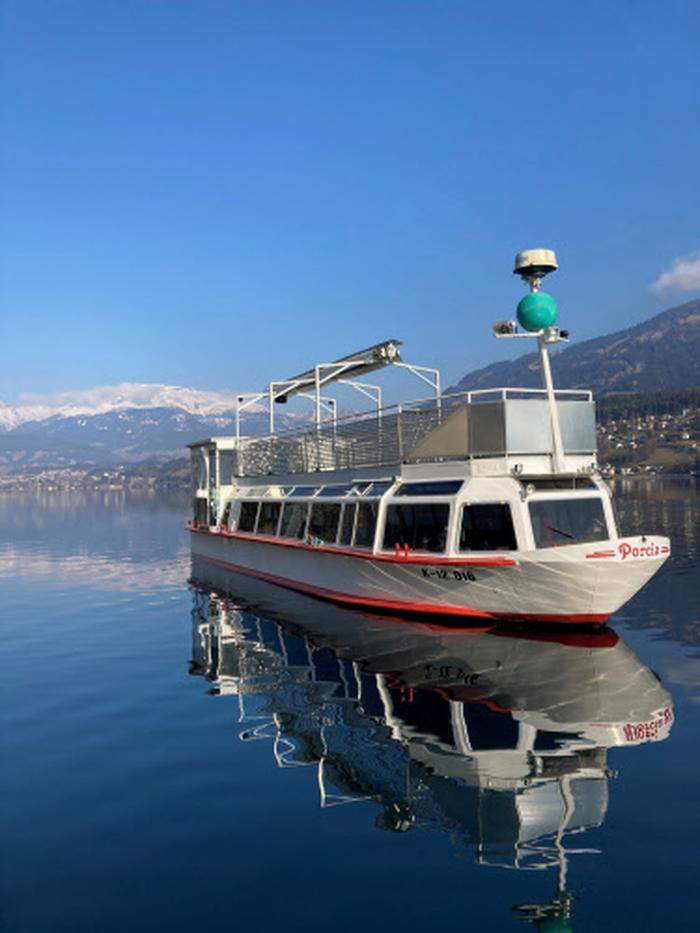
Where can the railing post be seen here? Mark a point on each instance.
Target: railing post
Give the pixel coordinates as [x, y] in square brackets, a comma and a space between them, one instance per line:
[399, 410]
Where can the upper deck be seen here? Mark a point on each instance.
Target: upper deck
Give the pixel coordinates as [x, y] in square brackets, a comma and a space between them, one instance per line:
[492, 430]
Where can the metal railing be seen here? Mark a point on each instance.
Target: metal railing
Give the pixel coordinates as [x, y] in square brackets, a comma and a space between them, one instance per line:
[390, 435]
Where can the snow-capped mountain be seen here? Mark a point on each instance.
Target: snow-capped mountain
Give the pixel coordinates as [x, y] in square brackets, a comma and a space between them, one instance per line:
[105, 399]
[115, 424]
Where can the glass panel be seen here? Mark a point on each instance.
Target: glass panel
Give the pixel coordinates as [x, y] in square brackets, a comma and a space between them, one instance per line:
[269, 515]
[347, 523]
[201, 511]
[212, 468]
[549, 484]
[378, 489]
[225, 467]
[441, 488]
[226, 515]
[365, 524]
[323, 523]
[568, 521]
[293, 520]
[487, 527]
[335, 490]
[246, 520]
[199, 469]
[303, 491]
[420, 527]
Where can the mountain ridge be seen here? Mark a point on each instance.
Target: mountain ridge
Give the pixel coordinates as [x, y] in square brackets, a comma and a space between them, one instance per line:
[662, 352]
[125, 395]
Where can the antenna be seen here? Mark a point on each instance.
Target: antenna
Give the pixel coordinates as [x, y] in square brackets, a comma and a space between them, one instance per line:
[537, 314]
[533, 264]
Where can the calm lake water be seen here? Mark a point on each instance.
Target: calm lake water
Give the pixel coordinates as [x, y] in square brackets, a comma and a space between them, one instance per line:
[173, 760]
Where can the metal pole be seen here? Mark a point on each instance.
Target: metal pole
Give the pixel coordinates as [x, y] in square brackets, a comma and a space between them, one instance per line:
[271, 404]
[317, 381]
[558, 447]
[238, 422]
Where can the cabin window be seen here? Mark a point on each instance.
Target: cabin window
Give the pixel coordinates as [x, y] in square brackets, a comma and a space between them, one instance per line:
[249, 513]
[487, 526]
[441, 488]
[421, 527]
[553, 483]
[324, 519]
[367, 488]
[347, 524]
[226, 516]
[303, 491]
[293, 520]
[212, 467]
[334, 491]
[378, 489]
[567, 521]
[201, 511]
[225, 467]
[199, 469]
[365, 524]
[268, 518]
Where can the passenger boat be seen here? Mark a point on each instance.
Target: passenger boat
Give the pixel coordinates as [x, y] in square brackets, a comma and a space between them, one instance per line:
[473, 505]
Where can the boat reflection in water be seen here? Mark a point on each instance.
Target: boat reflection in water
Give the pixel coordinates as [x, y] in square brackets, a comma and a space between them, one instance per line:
[497, 738]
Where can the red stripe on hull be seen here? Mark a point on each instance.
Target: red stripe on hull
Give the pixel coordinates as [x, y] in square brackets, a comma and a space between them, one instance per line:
[396, 605]
[366, 555]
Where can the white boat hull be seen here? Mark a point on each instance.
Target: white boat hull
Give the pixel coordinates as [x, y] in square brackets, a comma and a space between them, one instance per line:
[575, 584]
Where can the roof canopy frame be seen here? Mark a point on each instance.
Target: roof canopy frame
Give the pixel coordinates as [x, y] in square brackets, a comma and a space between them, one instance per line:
[370, 359]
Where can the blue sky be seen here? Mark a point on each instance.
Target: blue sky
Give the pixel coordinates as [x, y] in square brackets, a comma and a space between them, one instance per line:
[219, 193]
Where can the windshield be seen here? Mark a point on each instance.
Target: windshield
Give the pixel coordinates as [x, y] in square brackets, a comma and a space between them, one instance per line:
[568, 521]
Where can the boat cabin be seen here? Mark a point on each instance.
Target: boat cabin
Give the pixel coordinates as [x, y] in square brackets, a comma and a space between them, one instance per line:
[408, 516]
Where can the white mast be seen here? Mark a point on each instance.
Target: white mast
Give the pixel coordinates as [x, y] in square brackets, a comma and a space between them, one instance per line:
[537, 313]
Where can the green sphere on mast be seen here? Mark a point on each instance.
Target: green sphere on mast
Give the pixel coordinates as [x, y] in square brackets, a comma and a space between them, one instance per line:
[537, 310]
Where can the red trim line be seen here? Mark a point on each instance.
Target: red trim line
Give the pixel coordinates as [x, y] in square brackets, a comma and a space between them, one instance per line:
[400, 605]
[601, 554]
[365, 555]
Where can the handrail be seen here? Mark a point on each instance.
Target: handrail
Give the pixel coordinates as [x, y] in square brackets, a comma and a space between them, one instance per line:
[424, 401]
[398, 433]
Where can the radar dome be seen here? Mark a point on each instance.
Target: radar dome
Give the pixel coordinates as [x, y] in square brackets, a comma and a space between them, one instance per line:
[537, 311]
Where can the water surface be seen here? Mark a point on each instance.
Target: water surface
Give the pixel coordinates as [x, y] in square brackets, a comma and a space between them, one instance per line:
[175, 758]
